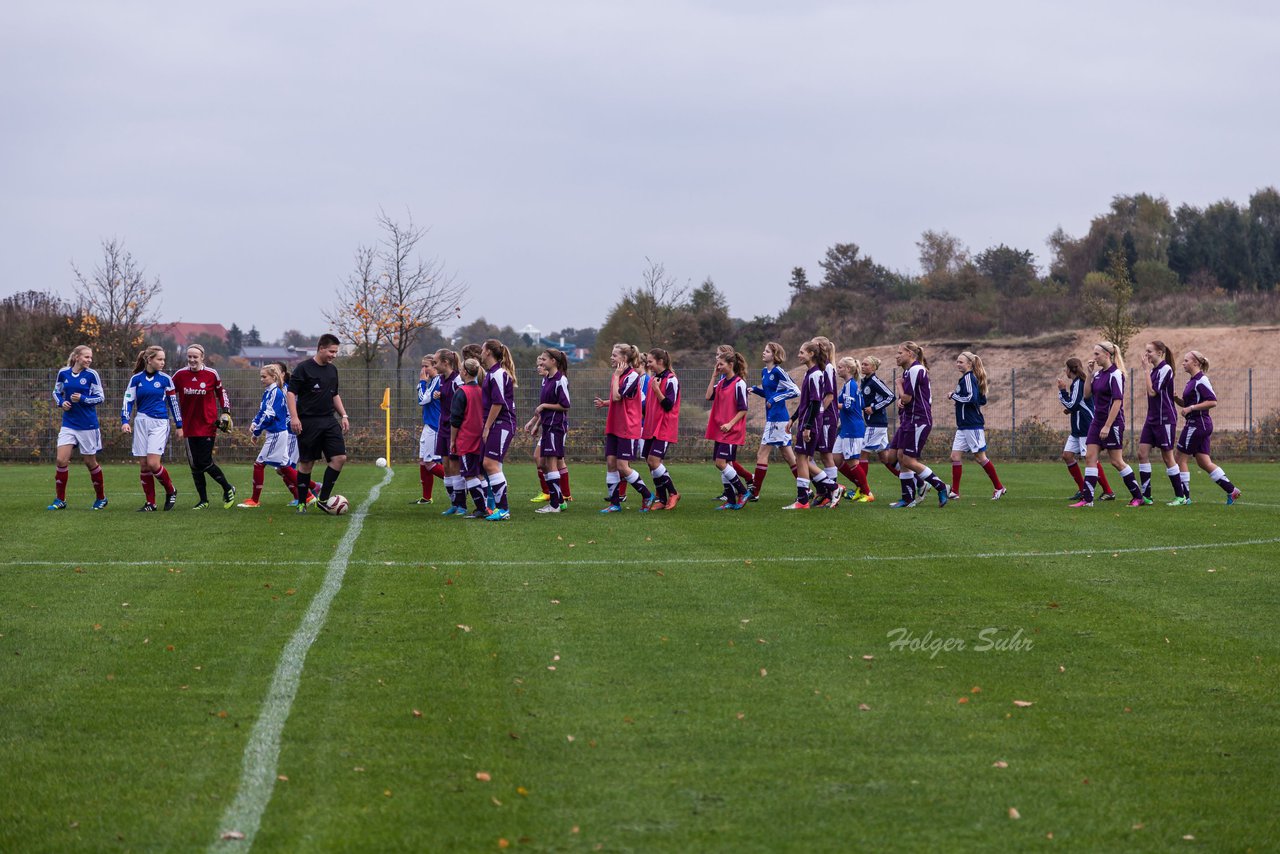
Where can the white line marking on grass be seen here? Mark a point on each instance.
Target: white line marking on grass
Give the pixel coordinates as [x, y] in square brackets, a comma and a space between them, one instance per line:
[261, 754]
[702, 561]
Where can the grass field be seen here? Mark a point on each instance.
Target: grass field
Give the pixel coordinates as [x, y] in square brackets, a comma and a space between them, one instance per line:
[674, 682]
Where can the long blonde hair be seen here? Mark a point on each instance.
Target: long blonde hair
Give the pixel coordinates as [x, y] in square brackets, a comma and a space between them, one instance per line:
[918, 351]
[273, 371]
[776, 352]
[1117, 358]
[75, 354]
[145, 356]
[1202, 359]
[978, 370]
[854, 366]
[630, 353]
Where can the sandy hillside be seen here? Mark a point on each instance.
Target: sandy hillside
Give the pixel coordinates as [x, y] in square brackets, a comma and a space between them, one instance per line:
[1031, 366]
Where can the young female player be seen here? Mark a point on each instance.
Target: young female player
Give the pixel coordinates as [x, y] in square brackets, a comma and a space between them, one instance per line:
[971, 434]
[77, 392]
[313, 488]
[499, 388]
[467, 413]
[661, 426]
[877, 397]
[776, 387]
[206, 409]
[549, 424]
[1196, 401]
[273, 420]
[727, 424]
[806, 422]
[1107, 430]
[622, 428]
[448, 366]
[1075, 391]
[853, 426]
[915, 421]
[1161, 426]
[429, 467]
[823, 465]
[153, 392]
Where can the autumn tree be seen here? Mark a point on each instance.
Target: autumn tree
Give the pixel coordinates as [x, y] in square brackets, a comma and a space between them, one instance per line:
[417, 293]
[358, 314]
[115, 304]
[646, 314]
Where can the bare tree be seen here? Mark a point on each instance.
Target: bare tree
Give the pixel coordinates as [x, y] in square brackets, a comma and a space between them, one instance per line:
[654, 303]
[357, 316]
[115, 304]
[418, 293]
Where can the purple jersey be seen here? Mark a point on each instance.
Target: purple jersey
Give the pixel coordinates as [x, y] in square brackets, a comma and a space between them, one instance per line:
[809, 412]
[1108, 385]
[498, 389]
[555, 389]
[915, 382]
[1160, 409]
[831, 412]
[1199, 390]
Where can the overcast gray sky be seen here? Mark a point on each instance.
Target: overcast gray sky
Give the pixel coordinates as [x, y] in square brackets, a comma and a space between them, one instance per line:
[242, 150]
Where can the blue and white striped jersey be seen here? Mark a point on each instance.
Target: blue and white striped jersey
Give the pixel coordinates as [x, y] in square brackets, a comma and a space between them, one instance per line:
[83, 414]
[852, 425]
[776, 387]
[878, 398]
[1078, 408]
[273, 414]
[429, 402]
[969, 402]
[155, 396]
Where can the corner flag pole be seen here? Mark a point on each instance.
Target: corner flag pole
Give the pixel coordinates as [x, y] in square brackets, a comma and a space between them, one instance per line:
[386, 407]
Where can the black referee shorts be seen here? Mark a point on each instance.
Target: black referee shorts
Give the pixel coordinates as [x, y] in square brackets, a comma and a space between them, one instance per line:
[321, 438]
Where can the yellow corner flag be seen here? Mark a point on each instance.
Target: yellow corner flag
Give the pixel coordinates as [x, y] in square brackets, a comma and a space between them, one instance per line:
[386, 407]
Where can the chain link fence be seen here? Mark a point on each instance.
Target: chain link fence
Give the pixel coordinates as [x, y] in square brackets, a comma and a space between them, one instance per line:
[1023, 417]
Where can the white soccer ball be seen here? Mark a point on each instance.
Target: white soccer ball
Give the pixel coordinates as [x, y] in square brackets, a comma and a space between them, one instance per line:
[338, 504]
[380, 462]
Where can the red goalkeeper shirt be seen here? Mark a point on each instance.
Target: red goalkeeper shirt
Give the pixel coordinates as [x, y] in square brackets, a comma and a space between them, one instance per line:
[201, 398]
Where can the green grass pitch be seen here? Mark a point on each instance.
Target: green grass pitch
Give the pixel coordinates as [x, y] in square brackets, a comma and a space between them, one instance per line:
[854, 679]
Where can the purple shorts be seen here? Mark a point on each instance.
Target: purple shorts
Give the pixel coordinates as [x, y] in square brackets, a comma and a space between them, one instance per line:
[656, 448]
[500, 436]
[1157, 436]
[826, 440]
[805, 443]
[1109, 442]
[471, 466]
[442, 438]
[910, 438]
[725, 451]
[1194, 440]
[620, 448]
[552, 442]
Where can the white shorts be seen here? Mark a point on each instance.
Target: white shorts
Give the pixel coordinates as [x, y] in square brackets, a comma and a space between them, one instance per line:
[877, 439]
[150, 435]
[275, 450]
[88, 441]
[775, 433]
[427, 445]
[293, 447]
[850, 449]
[1076, 445]
[973, 441]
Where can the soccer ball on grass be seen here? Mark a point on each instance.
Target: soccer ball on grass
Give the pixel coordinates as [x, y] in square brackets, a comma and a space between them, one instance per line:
[336, 505]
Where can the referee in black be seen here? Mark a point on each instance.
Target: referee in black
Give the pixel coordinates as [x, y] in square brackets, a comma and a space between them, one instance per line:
[313, 401]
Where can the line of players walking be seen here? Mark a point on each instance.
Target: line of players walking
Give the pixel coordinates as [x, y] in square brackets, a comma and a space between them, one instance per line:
[838, 427]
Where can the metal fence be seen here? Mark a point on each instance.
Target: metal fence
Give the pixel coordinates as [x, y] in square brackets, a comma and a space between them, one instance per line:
[1024, 420]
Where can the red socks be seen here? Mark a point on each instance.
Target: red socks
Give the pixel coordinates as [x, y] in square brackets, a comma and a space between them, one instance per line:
[757, 479]
[1074, 468]
[957, 469]
[259, 472]
[1102, 477]
[95, 475]
[60, 475]
[564, 483]
[149, 487]
[990, 468]
[542, 484]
